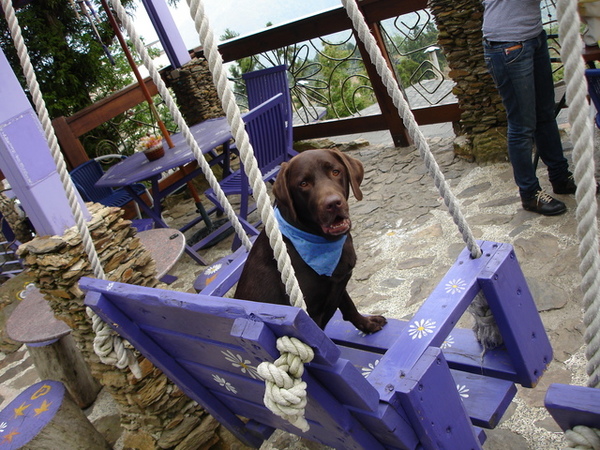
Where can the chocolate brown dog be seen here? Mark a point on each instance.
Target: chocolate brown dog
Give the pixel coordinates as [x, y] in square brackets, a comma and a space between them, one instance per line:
[311, 193]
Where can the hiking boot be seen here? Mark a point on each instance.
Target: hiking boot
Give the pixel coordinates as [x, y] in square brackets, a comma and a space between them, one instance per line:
[542, 203]
[565, 187]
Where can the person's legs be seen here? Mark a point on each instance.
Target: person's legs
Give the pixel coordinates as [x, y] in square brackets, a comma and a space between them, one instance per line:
[511, 65]
[547, 137]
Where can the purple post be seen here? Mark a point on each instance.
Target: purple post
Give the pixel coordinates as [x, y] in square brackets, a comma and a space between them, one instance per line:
[167, 32]
[26, 161]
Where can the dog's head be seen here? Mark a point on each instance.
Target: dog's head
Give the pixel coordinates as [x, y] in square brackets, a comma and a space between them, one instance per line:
[312, 190]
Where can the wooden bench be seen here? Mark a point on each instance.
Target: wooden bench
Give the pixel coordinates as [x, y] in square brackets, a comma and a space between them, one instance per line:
[364, 391]
[51, 346]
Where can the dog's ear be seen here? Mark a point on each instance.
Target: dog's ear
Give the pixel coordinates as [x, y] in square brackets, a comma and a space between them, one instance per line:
[281, 191]
[356, 172]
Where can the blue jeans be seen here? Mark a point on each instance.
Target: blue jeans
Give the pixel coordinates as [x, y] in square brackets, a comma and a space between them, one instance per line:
[523, 75]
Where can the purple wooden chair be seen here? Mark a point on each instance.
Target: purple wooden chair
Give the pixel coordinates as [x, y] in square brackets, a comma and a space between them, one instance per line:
[267, 130]
[85, 177]
[364, 391]
[261, 85]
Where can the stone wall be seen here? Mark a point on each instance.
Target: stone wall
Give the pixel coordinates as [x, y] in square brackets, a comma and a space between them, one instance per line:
[482, 127]
[195, 92]
[154, 412]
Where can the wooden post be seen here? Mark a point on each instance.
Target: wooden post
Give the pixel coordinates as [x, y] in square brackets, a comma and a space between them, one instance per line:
[52, 347]
[44, 417]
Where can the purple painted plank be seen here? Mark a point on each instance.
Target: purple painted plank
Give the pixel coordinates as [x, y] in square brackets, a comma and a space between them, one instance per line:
[220, 276]
[570, 405]
[33, 409]
[324, 406]
[347, 384]
[461, 348]
[485, 398]
[512, 305]
[391, 426]
[109, 313]
[148, 305]
[209, 385]
[437, 316]
[420, 392]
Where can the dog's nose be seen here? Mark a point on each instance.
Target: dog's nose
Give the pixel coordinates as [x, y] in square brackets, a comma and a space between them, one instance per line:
[333, 202]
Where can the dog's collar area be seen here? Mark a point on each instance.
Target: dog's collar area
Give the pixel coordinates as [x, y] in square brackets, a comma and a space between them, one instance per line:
[320, 253]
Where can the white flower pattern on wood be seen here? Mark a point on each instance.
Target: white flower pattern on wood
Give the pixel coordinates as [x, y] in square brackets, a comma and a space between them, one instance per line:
[448, 342]
[224, 383]
[455, 286]
[421, 328]
[244, 365]
[366, 371]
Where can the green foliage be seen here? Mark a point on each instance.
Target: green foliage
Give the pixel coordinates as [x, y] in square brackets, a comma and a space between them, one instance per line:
[240, 67]
[73, 68]
[412, 62]
[349, 86]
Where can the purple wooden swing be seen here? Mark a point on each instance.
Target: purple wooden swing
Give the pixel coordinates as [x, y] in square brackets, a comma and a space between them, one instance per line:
[376, 391]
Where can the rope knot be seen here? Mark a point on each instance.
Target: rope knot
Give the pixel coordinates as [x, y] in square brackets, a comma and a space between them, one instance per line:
[285, 392]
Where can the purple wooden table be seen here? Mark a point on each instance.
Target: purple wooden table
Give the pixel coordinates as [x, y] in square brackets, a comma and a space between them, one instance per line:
[209, 135]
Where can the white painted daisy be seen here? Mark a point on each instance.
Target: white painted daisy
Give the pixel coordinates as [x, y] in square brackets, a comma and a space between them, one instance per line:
[421, 328]
[3, 426]
[366, 371]
[243, 364]
[448, 342]
[455, 286]
[224, 383]
[213, 269]
[462, 391]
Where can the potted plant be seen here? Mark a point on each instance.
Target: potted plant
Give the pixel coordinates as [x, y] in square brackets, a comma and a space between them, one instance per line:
[152, 146]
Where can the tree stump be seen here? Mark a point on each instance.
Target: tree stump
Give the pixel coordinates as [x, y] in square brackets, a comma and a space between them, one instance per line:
[44, 417]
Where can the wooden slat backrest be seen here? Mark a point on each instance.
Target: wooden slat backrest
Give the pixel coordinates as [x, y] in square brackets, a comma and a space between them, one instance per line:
[210, 347]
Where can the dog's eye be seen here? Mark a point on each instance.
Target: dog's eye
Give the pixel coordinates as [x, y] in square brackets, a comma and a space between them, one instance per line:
[335, 172]
[303, 184]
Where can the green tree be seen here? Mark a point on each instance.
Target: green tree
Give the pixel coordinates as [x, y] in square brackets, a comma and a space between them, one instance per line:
[413, 63]
[350, 90]
[71, 54]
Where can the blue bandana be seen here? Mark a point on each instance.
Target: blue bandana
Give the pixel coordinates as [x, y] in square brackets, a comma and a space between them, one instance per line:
[318, 252]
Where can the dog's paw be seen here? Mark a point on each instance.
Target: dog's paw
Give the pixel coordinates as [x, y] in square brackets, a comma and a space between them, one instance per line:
[370, 324]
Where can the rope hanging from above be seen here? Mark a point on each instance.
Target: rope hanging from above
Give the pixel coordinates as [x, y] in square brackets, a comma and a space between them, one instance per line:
[583, 155]
[387, 77]
[107, 344]
[285, 392]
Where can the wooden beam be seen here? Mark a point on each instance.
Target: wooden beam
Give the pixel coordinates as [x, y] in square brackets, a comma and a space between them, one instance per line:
[327, 22]
[100, 112]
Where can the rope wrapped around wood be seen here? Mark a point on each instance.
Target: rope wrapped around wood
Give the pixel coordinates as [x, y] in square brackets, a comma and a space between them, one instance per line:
[285, 392]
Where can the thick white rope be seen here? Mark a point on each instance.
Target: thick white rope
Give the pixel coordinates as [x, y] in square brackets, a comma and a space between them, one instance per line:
[178, 118]
[285, 392]
[583, 155]
[360, 25]
[286, 398]
[263, 202]
[583, 438]
[107, 338]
